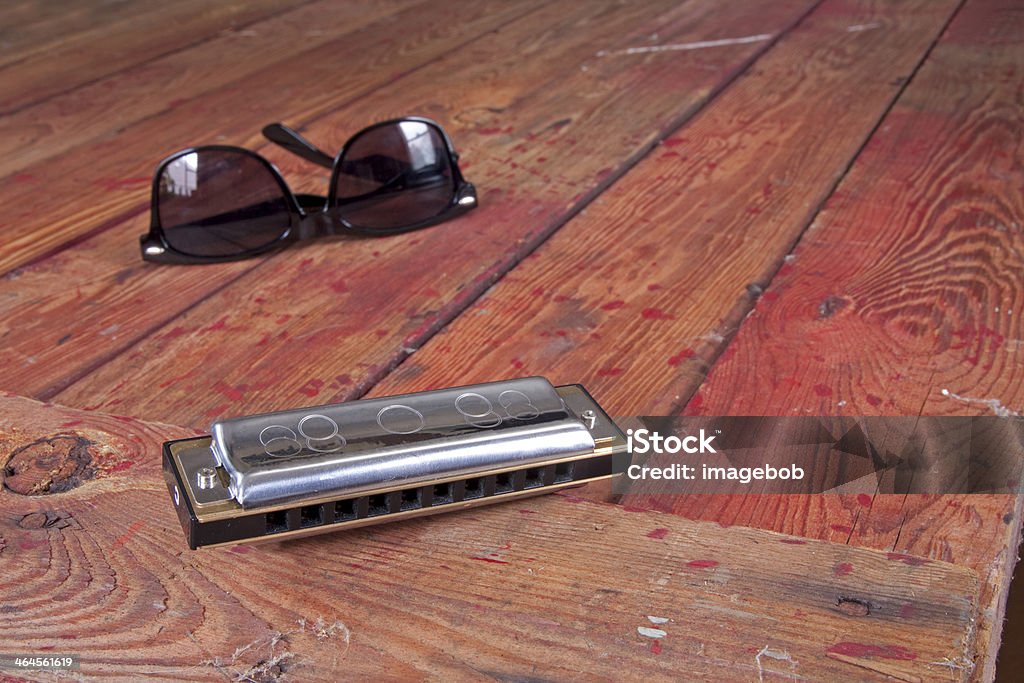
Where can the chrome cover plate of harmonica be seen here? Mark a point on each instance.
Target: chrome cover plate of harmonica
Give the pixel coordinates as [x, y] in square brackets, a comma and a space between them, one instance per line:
[351, 447]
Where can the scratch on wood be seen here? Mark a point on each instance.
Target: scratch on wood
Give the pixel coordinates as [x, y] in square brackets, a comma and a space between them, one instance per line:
[994, 404]
[878, 667]
[651, 632]
[322, 630]
[958, 664]
[780, 655]
[856, 28]
[698, 45]
[264, 670]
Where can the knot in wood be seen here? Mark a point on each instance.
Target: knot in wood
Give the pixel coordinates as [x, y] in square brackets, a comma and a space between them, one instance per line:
[49, 465]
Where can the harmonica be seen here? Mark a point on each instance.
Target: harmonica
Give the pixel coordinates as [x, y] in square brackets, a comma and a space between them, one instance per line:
[282, 475]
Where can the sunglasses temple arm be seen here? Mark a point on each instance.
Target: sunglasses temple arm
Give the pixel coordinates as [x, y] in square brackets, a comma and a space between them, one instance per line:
[296, 144]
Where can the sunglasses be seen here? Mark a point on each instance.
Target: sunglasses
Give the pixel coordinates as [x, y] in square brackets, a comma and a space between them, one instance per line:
[220, 203]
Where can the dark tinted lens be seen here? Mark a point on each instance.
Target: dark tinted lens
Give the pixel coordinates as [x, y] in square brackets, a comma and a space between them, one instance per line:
[220, 203]
[394, 176]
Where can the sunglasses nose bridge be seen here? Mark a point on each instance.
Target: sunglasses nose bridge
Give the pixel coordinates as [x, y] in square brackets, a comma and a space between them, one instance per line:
[316, 224]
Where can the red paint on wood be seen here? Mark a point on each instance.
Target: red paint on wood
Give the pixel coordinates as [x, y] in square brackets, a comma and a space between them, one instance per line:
[681, 356]
[702, 564]
[842, 569]
[656, 314]
[311, 388]
[123, 538]
[906, 559]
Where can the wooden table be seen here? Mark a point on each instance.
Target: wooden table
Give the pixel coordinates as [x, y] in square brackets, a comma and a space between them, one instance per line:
[771, 207]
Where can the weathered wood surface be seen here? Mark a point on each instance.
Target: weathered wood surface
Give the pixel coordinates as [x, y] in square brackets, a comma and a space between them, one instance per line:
[102, 569]
[184, 81]
[636, 294]
[642, 335]
[606, 303]
[920, 315]
[323, 323]
[105, 181]
[98, 39]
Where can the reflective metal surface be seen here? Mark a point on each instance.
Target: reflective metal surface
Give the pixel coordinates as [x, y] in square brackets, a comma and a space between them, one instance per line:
[352, 447]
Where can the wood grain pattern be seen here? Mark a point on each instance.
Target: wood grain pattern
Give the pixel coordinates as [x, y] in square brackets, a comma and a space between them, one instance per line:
[123, 590]
[129, 36]
[109, 105]
[908, 279]
[115, 37]
[925, 299]
[29, 26]
[105, 182]
[259, 344]
[107, 269]
[634, 297]
[926, 219]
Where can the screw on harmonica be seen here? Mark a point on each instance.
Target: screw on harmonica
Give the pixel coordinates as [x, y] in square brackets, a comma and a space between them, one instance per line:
[207, 477]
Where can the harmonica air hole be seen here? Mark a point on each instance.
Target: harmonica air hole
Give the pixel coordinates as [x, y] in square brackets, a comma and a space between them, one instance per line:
[344, 510]
[474, 488]
[311, 515]
[443, 494]
[503, 483]
[534, 478]
[378, 505]
[563, 472]
[410, 500]
[277, 521]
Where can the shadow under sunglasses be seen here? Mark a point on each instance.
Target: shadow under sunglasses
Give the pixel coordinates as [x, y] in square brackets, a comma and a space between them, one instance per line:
[220, 203]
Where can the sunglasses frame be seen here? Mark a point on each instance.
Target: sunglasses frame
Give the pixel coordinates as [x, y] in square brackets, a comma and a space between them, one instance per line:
[310, 216]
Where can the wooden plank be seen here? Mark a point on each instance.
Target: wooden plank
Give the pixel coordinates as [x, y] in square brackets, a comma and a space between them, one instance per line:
[919, 316]
[542, 587]
[516, 334]
[118, 169]
[634, 296]
[107, 180]
[557, 143]
[113, 40]
[29, 26]
[65, 121]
